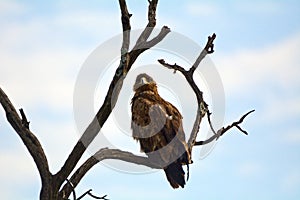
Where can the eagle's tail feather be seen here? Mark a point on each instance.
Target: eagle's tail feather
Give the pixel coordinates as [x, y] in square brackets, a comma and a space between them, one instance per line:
[175, 174]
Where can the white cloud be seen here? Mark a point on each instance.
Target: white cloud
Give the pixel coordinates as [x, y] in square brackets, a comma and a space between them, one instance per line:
[213, 9]
[96, 24]
[202, 9]
[291, 182]
[279, 109]
[292, 137]
[267, 77]
[40, 78]
[250, 169]
[256, 69]
[38, 66]
[260, 7]
[13, 160]
[11, 7]
[57, 139]
[18, 173]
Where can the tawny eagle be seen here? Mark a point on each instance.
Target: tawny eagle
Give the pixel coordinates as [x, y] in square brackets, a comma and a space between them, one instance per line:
[157, 125]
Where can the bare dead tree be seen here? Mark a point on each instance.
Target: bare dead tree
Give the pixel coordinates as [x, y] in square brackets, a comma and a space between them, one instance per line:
[59, 185]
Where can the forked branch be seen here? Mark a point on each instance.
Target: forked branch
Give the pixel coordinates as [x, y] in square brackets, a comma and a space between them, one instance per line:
[202, 105]
[126, 61]
[104, 154]
[223, 130]
[151, 23]
[21, 126]
[89, 193]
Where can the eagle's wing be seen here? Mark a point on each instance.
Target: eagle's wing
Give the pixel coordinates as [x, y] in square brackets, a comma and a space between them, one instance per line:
[148, 119]
[176, 133]
[158, 126]
[174, 124]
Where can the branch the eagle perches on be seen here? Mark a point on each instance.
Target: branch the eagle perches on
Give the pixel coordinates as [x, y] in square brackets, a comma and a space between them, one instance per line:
[54, 185]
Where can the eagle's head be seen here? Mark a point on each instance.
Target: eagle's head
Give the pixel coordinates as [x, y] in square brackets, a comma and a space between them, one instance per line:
[144, 81]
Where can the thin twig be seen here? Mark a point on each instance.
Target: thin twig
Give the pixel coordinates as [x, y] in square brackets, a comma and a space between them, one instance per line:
[236, 124]
[25, 122]
[210, 124]
[223, 130]
[174, 67]
[161, 35]
[89, 192]
[208, 49]
[84, 194]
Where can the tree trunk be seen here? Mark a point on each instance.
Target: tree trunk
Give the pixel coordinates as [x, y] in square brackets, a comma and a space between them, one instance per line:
[49, 191]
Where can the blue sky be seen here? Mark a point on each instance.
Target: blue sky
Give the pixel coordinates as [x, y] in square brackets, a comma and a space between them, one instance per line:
[43, 46]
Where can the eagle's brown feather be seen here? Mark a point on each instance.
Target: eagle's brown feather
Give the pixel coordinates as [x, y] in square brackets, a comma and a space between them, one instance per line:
[157, 125]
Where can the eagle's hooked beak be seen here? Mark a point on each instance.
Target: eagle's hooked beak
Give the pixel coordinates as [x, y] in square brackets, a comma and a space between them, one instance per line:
[144, 81]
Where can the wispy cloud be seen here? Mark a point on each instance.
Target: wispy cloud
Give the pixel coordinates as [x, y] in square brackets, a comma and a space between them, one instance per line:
[292, 137]
[205, 9]
[11, 7]
[260, 7]
[250, 169]
[202, 9]
[291, 182]
[272, 66]
[39, 60]
[13, 160]
[281, 109]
